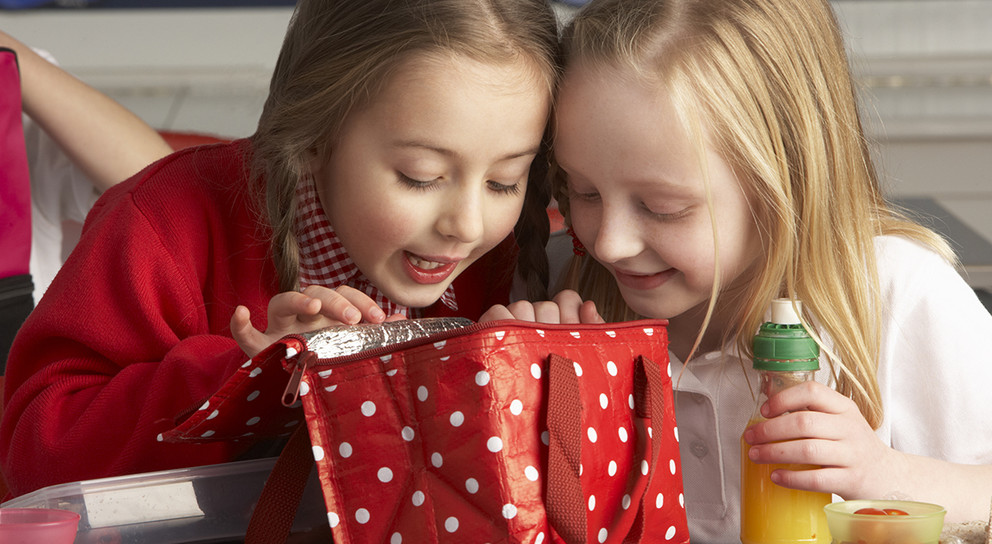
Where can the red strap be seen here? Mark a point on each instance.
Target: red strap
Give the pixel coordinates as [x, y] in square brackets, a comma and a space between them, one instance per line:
[649, 398]
[565, 509]
[565, 501]
[272, 518]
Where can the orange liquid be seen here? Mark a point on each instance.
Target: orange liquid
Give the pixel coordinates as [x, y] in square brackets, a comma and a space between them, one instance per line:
[772, 514]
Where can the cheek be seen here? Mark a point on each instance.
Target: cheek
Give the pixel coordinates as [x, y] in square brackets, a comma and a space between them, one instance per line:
[378, 223]
[748, 251]
[742, 247]
[501, 216]
[690, 248]
[585, 219]
[387, 231]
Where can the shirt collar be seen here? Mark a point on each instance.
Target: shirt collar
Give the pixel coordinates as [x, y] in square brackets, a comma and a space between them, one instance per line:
[324, 261]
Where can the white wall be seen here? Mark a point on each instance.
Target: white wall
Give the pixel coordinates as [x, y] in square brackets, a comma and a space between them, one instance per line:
[203, 70]
[926, 66]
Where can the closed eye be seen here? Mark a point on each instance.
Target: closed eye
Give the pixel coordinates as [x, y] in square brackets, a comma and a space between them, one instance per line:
[578, 195]
[668, 216]
[504, 188]
[421, 185]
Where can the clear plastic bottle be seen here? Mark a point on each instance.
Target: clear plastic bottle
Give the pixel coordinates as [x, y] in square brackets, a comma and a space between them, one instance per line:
[784, 355]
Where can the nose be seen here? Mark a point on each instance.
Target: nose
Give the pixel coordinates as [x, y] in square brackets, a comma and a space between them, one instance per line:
[461, 217]
[619, 235]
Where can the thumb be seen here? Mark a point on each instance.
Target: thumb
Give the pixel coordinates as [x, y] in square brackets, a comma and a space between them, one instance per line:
[249, 339]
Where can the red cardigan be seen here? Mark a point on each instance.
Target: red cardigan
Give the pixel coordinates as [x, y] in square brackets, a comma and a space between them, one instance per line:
[134, 331]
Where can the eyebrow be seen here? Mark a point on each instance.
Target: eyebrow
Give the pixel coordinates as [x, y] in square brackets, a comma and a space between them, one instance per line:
[449, 153]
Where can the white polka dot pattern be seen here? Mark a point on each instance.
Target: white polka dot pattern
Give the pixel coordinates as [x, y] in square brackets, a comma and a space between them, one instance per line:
[452, 436]
[246, 400]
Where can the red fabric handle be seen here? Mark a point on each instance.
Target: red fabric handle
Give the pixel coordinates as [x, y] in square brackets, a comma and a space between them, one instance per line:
[272, 519]
[565, 500]
[566, 513]
[648, 373]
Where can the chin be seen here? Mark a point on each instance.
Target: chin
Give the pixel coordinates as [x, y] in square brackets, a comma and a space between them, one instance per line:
[417, 299]
[658, 306]
[644, 308]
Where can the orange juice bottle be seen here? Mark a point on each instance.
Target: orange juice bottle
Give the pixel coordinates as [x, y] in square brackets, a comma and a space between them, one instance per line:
[784, 355]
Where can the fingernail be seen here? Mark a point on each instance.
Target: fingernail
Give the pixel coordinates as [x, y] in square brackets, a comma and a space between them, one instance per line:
[752, 453]
[378, 314]
[352, 315]
[748, 435]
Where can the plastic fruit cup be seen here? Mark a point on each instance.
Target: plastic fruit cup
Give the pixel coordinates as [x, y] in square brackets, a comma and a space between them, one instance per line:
[921, 523]
[36, 525]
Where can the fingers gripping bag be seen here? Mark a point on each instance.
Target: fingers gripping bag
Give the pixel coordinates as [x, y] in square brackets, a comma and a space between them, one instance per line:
[444, 430]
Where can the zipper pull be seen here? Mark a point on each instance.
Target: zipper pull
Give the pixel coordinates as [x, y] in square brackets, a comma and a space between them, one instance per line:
[292, 392]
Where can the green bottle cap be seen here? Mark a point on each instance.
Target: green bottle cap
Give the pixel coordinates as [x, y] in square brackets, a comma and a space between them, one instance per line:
[783, 343]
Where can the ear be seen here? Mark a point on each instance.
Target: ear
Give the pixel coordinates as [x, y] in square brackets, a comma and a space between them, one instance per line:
[314, 160]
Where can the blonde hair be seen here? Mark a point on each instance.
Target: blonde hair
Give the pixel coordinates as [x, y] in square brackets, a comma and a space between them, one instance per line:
[335, 58]
[770, 82]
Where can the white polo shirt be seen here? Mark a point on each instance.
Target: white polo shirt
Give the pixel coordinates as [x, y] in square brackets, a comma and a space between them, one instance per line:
[935, 367]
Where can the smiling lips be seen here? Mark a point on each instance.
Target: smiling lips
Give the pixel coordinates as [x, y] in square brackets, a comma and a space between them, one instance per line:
[426, 271]
[643, 282]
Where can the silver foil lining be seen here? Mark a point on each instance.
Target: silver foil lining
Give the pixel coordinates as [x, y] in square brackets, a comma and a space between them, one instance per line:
[345, 340]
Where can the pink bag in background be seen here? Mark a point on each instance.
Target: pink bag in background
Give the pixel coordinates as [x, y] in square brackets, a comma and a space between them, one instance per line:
[16, 287]
[15, 183]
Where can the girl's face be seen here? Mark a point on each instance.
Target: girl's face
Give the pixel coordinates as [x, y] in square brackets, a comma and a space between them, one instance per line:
[638, 197]
[432, 174]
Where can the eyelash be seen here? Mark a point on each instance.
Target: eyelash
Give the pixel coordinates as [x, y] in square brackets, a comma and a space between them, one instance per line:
[668, 216]
[416, 183]
[504, 189]
[496, 187]
[588, 197]
[594, 197]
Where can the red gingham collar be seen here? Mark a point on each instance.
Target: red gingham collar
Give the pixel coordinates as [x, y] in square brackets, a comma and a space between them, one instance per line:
[324, 261]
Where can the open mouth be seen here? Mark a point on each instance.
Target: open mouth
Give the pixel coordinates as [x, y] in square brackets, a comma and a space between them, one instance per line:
[643, 281]
[424, 264]
[428, 271]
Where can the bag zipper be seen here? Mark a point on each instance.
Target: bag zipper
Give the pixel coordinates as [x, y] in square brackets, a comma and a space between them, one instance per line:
[292, 393]
[308, 359]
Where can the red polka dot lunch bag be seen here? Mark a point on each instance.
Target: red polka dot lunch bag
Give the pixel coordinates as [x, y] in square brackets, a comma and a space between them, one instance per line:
[442, 430]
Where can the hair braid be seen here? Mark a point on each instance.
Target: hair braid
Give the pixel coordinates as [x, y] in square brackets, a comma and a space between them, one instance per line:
[533, 228]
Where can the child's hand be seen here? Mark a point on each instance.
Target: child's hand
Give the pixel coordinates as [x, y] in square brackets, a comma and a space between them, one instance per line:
[294, 312]
[812, 424]
[567, 307]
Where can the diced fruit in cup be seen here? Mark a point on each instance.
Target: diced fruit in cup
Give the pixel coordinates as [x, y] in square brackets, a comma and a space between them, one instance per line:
[881, 512]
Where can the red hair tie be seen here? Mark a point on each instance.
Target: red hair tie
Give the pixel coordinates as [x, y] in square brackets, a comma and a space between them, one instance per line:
[577, 248]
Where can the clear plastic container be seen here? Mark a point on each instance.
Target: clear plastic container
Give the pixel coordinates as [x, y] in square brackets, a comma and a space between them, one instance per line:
[184, 506]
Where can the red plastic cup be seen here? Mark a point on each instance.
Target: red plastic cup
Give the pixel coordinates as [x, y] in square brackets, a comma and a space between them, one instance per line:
[35, 525]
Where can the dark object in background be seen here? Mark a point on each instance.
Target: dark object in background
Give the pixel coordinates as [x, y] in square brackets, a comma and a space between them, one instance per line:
[72, 4]
[16, 302]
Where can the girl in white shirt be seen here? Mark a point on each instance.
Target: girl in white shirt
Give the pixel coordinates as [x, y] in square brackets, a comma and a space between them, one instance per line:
[80, 142]
[710, 158]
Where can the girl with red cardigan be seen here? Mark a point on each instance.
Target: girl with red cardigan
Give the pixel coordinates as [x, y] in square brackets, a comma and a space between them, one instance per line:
[388, 176]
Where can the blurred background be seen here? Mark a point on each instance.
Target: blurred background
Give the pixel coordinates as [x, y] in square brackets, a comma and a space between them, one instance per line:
[924, 68]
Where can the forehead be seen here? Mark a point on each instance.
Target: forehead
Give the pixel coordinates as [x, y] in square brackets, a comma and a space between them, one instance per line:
[605, 112]
[442, 69]
[458, 104]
